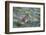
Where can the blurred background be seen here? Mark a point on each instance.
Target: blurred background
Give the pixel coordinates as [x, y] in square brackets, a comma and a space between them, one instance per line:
[26, 17]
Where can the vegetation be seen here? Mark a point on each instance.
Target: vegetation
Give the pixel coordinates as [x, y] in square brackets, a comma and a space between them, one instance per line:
[32, 17]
